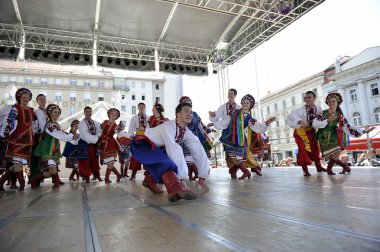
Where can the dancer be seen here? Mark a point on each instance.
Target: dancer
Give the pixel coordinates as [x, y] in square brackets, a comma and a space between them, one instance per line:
[89, 130]
[301, 121]
[18, 132]
[204, 135]
[71, 152]
[238, 136]
[123, 153]
[163, 165]
[333, 129]
[108, 146]
[137, 126]
[48, 150]
[157, 118]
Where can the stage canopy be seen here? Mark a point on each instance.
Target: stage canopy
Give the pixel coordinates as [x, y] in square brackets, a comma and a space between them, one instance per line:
[177, 33]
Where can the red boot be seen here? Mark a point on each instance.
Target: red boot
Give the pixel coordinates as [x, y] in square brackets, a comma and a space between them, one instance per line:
[330, 166]
[193, 169]
[21, 180]
[133, 176]
[319, 166]
[149, 183]
[97, 176]
[118, 176]
[4, 178]
[346, 167]
[233, 171]
[71, 178]
[257, 170]
[306, 172]
[246, 172]
[107, 177]
[35, 180]
[175, 188]
[56, 181]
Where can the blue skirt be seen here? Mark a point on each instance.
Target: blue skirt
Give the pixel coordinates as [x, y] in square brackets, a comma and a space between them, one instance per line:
[155, 160]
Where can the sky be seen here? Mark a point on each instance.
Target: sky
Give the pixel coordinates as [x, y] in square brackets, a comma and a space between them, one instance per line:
[307, 46]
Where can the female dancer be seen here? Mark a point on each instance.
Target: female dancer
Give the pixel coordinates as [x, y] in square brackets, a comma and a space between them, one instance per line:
[332, 131]
[71, 152]
[157, 118]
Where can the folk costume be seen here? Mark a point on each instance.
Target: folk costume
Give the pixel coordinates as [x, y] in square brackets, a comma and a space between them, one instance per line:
[72, 153]
[203, 133]
[89, 130]
[108, 147]
[241, 137]
[160, 151]
[137, 121]
[123, 153]
[49, 151]
[18, 132]
[333, 136]
[308, 147]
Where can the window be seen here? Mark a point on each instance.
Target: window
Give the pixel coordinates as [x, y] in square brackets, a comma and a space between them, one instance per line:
[284, 104]
[143, 97]
[293, 101]
[268, 110]
[157, 86]
[357, 119]
[278, 138]
[275, 107]
[157, 99]
[58, 97]
[28, 80]
[374, 89]
[287, 138]
[133, 110]
[315, 92]
[58, 81]
[12, 79]
[73, 98]
[303, 96]
[87, 98]
[353, 96]
[44, 81]
[122, 97]
[100, 98]
[87, 83]
[100, 83]
[133, 97]
[277, 124]
[123, 108]
[73, 82]
[377, 115]
[72, 111]
[133, 84]
[142, 84]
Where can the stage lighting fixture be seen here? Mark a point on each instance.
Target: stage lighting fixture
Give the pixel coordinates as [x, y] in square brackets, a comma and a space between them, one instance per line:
[117, 61]
[203, 70]
[214, 71]
[45, 54]
[109, 60]
[76, 57]
[66, 56]
[188, 68]
[100, 59]
[134, 62]
[181, 68]
[143, 62]
[2, 49]
[87, 58]
[126, 61]
[56, 55]
[36, 53]
[166, 67]
[12, 50]
[174, 67]
[195, 69]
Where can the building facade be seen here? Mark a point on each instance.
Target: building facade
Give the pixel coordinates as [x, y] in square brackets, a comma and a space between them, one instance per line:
[358, 81]
[280, 104]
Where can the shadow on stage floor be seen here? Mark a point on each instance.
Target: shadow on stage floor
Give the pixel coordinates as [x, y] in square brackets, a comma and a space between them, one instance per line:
[280, 211]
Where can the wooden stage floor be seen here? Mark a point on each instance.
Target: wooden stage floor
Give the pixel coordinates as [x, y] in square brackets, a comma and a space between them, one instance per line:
[281, 211]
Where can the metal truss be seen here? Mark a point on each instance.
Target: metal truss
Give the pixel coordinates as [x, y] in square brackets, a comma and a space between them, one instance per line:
[262, 20]
[82, 43]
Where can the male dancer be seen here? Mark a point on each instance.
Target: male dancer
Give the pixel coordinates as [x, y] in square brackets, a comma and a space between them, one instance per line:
[301, 120]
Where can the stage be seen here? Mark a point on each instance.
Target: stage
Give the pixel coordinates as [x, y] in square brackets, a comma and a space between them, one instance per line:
[280, 211]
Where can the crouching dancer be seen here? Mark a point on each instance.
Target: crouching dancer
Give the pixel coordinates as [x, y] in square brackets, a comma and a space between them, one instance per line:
[48, 150]
[159, 150]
